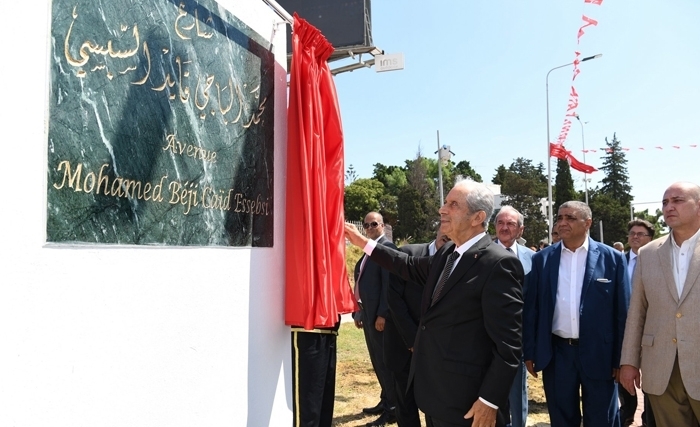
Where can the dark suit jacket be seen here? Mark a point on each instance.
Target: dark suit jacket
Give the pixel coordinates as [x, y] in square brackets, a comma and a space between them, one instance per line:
[404, 299]
[374, 284]
[603, 308]
[468, 343]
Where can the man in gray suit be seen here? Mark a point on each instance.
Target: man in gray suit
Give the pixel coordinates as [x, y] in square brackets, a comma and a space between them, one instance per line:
[662, 333]
[509, 227]
[371, 286]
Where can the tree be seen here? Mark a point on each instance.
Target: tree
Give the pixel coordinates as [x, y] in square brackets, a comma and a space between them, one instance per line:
[655, 219]
[350, 175]
[393, 177]
[613, 199]
[417, 203]
[524, 186]
[614, 216]
[563, 185]
[361, 197]
[500, 177]
[616, 182]
[464, 169]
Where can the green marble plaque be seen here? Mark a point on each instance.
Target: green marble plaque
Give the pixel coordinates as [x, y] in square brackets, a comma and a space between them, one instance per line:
[160, 125]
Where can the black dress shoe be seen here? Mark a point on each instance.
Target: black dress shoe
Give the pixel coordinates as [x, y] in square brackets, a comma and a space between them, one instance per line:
[374, 410]
[385, 419]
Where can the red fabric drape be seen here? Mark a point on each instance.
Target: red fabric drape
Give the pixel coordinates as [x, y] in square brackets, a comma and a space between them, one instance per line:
[558, 151]
[317, 287]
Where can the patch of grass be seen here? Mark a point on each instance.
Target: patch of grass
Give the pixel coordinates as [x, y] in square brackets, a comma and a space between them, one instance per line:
[356, 386]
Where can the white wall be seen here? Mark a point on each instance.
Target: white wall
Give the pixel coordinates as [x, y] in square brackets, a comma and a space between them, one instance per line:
[105, 336]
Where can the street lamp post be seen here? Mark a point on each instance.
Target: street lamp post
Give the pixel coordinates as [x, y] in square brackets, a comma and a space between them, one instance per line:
[444, 155]
[549, 163]
[585, 175]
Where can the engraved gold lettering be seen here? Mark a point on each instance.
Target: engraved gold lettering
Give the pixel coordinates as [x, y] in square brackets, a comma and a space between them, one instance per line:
[73, 178]
[147, 53]
[66, 50]
[182, 13]
[158, 189]
[205, 93]
[90, 175]
[116, 187]
[184, 93]
[101, 179]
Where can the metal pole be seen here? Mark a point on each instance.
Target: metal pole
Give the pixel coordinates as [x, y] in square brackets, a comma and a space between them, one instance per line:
[549, 163]
[550, 214]
[442, 193]
[601, 232]
[583, 142]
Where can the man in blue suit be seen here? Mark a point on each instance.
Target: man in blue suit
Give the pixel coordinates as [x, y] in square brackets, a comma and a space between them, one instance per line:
[576, 299]
[509, 227]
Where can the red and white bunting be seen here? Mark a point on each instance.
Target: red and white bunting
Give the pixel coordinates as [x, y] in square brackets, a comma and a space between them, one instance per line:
[658, 147]
[573, 103]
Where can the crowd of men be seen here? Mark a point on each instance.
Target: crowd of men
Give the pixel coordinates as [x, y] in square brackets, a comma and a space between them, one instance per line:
[453, 327]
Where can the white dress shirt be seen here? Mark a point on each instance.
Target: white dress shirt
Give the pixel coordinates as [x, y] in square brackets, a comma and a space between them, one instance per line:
[681, 256]
[572, 268]
[513, 248]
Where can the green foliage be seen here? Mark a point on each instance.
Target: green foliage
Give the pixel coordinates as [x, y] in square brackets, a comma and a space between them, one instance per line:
[352, 255]
[500, 177]
[464, 169]
[616, 182]
[655, 219]
[614, 216]
[362, 196]
[523, 186]
[393, 177]
[417, 203]
[563, 185]
[611, 203]
[350, 175]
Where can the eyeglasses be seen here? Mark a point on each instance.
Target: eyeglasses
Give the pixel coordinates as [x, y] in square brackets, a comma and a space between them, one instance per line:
[373, 224]
[631, 234]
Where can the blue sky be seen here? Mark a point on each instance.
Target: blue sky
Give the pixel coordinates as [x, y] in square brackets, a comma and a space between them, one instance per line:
[475, 71]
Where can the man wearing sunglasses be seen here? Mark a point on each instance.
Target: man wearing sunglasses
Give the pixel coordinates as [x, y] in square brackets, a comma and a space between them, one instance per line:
[468, 344]
[371, 285]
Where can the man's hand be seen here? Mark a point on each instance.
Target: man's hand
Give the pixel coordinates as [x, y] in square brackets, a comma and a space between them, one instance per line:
[483, 414]
[358, 323]
[354, 236]
[629, 378]
[530, 365]
[616, 374]
[379, 323]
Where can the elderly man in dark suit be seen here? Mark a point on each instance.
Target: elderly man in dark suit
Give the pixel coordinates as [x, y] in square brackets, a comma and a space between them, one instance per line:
[468, 344]
[576, 299]
[371, 286]
[404, 299]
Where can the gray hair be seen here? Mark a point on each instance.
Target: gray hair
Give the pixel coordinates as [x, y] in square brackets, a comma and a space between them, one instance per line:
[579, 207]
[504, 209]
[479, 198]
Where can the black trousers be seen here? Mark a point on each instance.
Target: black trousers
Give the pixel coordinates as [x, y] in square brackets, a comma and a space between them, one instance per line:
[406, 409]
[313, 376]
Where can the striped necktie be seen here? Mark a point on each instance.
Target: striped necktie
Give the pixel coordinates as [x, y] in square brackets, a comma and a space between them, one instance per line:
[445, 275]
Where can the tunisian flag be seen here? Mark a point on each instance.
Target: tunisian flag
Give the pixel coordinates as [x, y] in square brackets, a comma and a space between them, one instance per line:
[558, 151]
[317, 287]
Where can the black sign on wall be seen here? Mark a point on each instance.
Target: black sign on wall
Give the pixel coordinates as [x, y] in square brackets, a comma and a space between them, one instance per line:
[161, 125]
[344, 23]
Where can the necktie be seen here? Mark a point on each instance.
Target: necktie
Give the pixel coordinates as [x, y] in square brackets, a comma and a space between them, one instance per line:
[357, 282]
[445, 275]
[509, 250]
